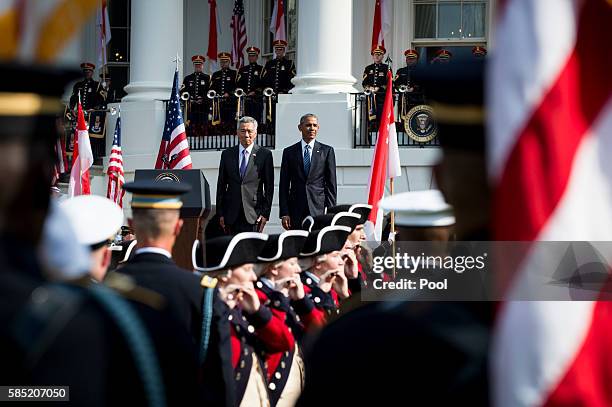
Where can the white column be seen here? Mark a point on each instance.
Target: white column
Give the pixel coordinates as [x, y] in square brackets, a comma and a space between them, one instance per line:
[156, 38]
[324, 47]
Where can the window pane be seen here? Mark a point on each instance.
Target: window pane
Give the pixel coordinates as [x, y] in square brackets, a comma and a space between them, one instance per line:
[291, 23]
[118, 46]
[120, 78]
[474, 20]
[449, 20]
[425, 21]
[118, 11]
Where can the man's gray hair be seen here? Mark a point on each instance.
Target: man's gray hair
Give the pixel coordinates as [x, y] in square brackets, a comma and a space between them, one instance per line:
[306, 116]
[247, 119]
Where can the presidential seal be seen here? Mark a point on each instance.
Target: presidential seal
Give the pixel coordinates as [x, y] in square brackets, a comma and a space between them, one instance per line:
[167, 177]
[420, 124]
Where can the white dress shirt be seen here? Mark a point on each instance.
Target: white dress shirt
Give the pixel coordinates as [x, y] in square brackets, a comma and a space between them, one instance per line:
[241, 154]
[311, 144]
[156, 250]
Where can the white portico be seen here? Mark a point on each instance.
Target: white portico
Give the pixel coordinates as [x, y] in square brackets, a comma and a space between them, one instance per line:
[331, 50]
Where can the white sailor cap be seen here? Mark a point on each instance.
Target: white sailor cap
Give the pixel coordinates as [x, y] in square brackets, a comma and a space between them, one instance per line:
[95, 219]
[419, 208]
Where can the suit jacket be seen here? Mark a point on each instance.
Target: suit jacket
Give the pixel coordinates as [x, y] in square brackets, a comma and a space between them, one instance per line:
[300, 194]
[183, 294]
[255, 190]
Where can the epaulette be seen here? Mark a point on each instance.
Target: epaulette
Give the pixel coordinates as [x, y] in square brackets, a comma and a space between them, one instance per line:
[127, 288]
[208, 282]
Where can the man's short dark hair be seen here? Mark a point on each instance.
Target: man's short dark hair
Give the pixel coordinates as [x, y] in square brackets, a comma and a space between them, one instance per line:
[306, 116]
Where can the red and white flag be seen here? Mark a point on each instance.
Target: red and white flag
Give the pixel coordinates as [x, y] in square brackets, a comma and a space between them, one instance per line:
[104, 32]
[115, 191]
[82, 158]
[550, 128]
[277, 22]
[385, 165]
[214, 33]
[382, 22]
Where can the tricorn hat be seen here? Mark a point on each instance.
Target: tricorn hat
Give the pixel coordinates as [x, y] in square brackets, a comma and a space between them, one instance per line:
[225, 252]
[327, 240]
[283, 246]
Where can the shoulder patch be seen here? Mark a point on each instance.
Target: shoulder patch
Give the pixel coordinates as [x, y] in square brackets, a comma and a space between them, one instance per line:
[208, 282]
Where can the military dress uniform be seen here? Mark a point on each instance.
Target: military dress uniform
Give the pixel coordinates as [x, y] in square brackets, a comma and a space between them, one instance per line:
[251, 334]
[249, 80]
[277, 74]
[375, 78]
[224, 81]
[286, 369]
[414, 93]
[197, 85]
[88, 89]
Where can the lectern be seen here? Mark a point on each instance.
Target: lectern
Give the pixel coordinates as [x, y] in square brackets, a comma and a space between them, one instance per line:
[195, 210]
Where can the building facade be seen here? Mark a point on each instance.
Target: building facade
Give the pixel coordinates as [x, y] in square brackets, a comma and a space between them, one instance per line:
[330, 43]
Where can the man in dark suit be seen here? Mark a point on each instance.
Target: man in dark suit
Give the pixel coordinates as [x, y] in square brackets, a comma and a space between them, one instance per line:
[156, 222]
[245, 185]
[307, 177]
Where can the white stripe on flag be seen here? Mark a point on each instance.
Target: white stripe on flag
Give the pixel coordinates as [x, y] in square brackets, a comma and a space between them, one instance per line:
[540, 34]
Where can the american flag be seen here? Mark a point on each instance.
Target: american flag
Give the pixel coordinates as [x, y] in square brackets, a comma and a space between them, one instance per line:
[174, 148]
[61, 160]
[115, 189]
[239, 35]
[550, 138]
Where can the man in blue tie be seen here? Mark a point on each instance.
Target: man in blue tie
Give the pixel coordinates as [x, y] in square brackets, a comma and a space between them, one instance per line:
[245, 185]
[307, 177]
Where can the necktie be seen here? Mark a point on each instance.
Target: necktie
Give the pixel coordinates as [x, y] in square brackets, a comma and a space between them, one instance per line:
[245, 160]
[306, 160]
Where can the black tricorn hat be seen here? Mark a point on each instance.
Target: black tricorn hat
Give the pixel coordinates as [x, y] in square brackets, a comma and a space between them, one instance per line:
[455, 91]
[283, 246]
[225, 252]
[347, 219]
[327, 240]
[362, 210]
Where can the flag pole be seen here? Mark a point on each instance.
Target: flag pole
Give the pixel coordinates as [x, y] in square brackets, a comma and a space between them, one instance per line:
[392, 225]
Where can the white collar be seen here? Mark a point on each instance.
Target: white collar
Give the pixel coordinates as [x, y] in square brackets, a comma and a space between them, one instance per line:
[249, 148]
[312, 276]
[311, 144]
[156, 250]
[267, 282]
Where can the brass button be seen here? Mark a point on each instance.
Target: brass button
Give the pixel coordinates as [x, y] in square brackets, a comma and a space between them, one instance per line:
[251, 328]
[237, 376]
[277, 375]
[272, 386]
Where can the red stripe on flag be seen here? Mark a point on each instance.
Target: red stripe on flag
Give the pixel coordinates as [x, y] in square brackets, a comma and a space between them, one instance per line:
[181, 154]
[587, 381]
[539, 166]
[378, 174]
